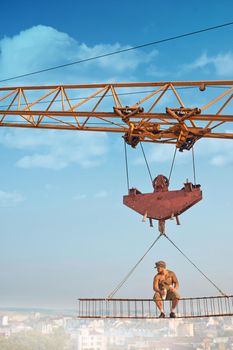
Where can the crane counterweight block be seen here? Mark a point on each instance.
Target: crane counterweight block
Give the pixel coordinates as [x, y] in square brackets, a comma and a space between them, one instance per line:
[163, 204]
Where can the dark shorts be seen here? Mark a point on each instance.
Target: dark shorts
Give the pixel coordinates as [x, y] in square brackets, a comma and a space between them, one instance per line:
[170, 296]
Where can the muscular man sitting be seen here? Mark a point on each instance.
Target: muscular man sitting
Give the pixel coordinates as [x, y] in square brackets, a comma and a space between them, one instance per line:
[165, 285]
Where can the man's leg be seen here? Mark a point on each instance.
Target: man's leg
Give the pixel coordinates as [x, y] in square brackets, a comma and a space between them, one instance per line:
[159, 304]
[174, 303]
[174, 297]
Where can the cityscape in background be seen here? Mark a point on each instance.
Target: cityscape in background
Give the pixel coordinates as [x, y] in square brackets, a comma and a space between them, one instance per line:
[50, 330]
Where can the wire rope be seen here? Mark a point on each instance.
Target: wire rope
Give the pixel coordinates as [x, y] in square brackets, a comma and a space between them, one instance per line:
[110, 296]
[126, 165]
[173, 160]
[147, 164]
[194, 167]
[196, 267]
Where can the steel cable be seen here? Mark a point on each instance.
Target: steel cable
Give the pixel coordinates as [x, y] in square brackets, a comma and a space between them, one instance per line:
[202, 273]
[194, 167]
[132, 270]
[173, 160]
[147, 164]
[126, 165]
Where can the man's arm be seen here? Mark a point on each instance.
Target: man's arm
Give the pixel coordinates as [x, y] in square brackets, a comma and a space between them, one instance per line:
[175, 282]
[156, 284]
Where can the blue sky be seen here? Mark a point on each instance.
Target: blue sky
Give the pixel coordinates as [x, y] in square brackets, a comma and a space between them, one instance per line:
[64, 231]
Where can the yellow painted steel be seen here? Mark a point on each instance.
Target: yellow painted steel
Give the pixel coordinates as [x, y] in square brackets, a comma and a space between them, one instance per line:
[100, 107]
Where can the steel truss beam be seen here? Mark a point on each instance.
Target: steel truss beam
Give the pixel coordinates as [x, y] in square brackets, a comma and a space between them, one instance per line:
[136, 110]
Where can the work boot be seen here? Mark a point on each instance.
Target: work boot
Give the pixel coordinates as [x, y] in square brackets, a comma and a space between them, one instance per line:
[172, 315]
[162, 315]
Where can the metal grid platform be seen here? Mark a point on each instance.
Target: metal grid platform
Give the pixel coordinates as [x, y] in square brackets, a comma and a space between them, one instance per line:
[146, 308]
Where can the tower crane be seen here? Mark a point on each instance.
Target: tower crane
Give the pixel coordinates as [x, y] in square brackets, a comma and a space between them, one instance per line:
[112, 107]
[178, 112]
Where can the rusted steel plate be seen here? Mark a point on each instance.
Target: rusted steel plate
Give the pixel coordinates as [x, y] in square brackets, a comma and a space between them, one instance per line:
[163, 204]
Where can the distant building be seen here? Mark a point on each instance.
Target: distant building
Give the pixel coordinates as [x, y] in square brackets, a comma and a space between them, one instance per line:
[185, 330]
[5, 321]
[47, 329]
[91, 340]
[5, 332]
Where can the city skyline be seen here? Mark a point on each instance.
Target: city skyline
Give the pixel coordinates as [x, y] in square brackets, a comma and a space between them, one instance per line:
[61, 331]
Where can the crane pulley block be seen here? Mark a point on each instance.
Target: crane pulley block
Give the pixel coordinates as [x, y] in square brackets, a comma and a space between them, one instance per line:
[163, 204]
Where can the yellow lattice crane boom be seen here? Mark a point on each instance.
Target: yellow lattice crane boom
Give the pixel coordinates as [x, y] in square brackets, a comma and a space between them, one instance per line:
[164, 112]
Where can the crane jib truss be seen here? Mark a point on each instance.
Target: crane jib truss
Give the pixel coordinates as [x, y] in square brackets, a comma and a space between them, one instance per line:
[136, 110]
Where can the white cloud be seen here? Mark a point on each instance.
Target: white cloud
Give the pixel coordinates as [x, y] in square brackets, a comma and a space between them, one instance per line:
[200, 62]
[32, 49]
[101, 194]
[42, 47]
[221, 160]
[56, 150]
[10, 199]
[48, 187]
[157, 153]
[79, 197]
[215, 152]
[49, 161]
[222, 64]
[218, 152]
[155, 72]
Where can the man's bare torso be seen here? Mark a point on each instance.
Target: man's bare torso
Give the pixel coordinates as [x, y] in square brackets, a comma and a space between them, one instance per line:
[166, 280]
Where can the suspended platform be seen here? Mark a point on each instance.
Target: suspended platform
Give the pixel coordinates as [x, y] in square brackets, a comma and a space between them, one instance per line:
[101, 308]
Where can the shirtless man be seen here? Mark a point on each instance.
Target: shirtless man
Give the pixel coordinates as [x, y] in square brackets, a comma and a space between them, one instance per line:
[165, 286]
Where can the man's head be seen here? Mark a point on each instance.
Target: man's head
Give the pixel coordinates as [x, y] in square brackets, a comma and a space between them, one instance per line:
[160, 266]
